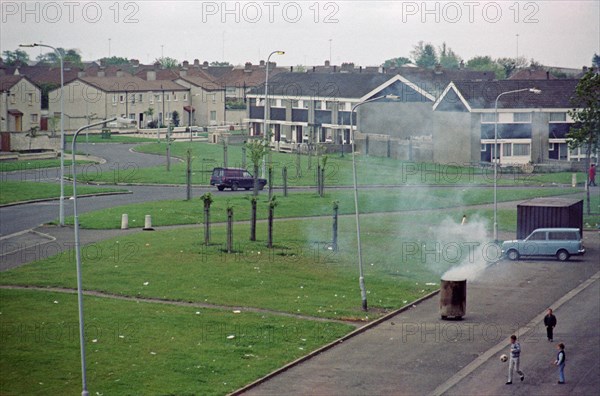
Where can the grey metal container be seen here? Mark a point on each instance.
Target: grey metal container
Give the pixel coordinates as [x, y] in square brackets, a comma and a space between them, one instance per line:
[453, 298]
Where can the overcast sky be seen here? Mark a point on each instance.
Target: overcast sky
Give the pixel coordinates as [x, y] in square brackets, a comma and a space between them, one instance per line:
[555, 33]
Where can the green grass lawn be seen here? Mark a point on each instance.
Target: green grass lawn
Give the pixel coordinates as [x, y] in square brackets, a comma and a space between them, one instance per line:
[114, 138]
[177, 212]
[301, 169]
[19, 191]
[143, 348]
[25, 165]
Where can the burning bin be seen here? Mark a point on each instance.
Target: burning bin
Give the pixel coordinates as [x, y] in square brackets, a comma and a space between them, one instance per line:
[453, 298]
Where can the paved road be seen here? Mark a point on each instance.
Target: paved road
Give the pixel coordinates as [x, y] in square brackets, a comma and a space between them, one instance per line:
[417, 353]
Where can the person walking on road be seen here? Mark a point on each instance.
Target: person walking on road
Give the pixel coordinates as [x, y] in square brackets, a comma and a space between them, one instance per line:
[514, 360]
[550, 323]
[560, 362]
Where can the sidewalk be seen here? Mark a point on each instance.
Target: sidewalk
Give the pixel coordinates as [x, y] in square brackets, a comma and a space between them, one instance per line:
[416, 353]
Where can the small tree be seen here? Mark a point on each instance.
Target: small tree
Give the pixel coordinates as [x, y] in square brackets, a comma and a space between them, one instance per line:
[257, 150]
[334, 243]
[253, 200]
[148, 114]
[175, 118]
[207, 198]
[272, 205]
[229, 228]
[585, 132]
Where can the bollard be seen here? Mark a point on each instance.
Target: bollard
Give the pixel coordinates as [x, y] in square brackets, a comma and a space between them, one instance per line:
[574, 180]
[124, 221]
[148, 223]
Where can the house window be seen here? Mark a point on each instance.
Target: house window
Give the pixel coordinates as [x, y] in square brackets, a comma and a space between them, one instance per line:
[122, 98]
[522, 117]
[151, 96]
[551, 147]
[34, 118]
[114, 100]
[167, 98]
[507, 149]
[132, 116]
[295, 103]
[132, 98]
[174, 97]
[160, 97]
[330, 105]
[185, 97]
[272, 102]
[558, 117]
[140, 97]
[521, 149]
[488, 118]
[13, 99]
[213, 115]
[30, 98]
[305, 104]
[483, 148]
[253, 102]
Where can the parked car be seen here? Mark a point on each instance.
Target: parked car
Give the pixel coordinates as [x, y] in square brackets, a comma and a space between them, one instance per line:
[234, 178]
[559, 242]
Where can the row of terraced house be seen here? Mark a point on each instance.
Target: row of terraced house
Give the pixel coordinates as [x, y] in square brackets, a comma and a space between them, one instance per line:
[439, 115]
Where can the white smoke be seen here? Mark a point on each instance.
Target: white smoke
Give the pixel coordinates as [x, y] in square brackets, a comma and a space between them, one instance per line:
[464, 250]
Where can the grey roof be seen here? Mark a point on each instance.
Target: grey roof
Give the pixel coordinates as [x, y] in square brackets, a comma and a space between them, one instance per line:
[340, 85]
[131, 84]
[483, 94]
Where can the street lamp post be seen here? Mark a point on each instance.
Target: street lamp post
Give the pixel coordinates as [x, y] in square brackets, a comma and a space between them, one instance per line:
[361, 278]
[496, 160]
[84, 391]
[61, 206]
[265, 134]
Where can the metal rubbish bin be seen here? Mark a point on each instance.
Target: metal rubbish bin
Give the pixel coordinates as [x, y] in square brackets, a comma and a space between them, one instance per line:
[453, 298]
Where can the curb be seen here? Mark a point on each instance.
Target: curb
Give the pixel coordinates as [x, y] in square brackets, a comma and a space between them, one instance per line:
[332, 344]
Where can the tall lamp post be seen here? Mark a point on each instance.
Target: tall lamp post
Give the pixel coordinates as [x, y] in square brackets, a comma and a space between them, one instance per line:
[84, 391]
[361, 278]
[496, 160]
[61, 206]
[267, 105]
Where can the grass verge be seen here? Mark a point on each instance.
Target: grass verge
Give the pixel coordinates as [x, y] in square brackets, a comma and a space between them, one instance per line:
[143, 348]
[19, 191]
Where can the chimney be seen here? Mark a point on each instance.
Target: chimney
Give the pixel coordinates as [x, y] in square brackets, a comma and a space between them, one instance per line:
[461, 65]
[262, 63]
[360, 69]
[151, 75]
[135, 62]
[334, 67]
[314, 68]
[80, 74]
[205, 65]
[186, 64]
[585, 69]
[196, 63]
[547, 75]
[183, 72]
[327, 63]
[347, 67]
[291, 69]
[248, 67]
[438, 69]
